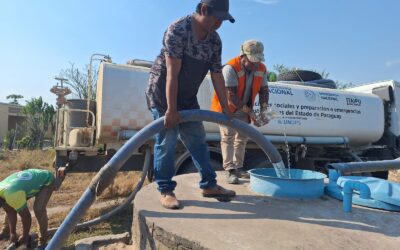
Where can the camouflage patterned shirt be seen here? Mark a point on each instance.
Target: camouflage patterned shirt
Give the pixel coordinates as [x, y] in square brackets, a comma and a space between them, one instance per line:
[198, 57]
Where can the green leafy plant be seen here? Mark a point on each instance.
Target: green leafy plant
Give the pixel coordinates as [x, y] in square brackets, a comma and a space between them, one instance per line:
[39, 119]
[14, 98]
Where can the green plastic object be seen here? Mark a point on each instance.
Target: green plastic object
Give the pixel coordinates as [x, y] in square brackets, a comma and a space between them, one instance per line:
[272, 77]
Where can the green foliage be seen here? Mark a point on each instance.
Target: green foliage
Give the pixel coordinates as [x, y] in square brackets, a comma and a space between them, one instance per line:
[280, 68]
[39, 118]
[78, 80]
[8, 139]
[24, 142]
[15, 98]
[272, 76]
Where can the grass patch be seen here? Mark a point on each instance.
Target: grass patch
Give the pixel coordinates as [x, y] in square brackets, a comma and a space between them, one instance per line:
[73, 185]
[12, 161]
[117, 224]
[69, 193]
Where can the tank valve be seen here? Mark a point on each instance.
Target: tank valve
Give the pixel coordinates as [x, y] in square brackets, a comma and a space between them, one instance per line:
[60, 91]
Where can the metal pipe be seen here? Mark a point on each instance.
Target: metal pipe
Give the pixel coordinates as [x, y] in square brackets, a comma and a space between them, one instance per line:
[368, 166]
[56, 132]
[107, 173]
[355, 157]
[319, 140]
[348, 189]
[106, 58]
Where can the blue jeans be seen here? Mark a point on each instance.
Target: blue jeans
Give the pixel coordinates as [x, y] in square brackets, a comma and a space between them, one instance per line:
[193, 136]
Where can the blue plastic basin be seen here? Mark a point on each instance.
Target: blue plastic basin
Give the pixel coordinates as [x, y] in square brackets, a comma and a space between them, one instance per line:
[303, 184]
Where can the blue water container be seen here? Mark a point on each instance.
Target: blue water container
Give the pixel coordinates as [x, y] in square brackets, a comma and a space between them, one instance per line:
[302, 184]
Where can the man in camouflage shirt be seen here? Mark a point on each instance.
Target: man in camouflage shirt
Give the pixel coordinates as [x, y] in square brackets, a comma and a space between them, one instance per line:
[191, 48]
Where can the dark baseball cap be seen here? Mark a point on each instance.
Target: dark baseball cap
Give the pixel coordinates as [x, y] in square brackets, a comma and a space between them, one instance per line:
[220, 9]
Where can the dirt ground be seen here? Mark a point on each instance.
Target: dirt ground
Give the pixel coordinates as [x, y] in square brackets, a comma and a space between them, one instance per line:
[72, 188]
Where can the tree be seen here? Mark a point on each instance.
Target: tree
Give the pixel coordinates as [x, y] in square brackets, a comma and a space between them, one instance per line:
[8, 139]
[341, 85]
[15, 98]
[39, 118]
[78, 80]
[280, 68]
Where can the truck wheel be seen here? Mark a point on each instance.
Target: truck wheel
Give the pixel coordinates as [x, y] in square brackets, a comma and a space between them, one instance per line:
[60, 161]
[189, 167]
[256, 159]
[381, 174]
[299, 75]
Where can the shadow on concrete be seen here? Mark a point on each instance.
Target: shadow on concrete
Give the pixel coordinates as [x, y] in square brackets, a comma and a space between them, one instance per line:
[325, 211]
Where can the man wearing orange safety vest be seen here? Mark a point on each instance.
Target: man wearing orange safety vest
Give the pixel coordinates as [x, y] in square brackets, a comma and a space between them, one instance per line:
[245, 78]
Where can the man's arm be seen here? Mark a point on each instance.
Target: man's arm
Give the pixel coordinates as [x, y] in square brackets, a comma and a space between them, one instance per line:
[233, 99]
[173, 68]
[219, 86]
[264, 96]
[263, 93]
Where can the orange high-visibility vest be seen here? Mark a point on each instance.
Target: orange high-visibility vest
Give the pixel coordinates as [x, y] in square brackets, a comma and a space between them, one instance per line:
[241, 74]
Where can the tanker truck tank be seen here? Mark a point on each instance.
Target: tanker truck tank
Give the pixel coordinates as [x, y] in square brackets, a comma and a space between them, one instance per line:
[314, 126]
[304, 111]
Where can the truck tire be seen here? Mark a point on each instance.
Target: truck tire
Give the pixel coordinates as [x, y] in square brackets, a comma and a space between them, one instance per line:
[322, 83]
[299, 75]
[256, 158]
[381, 174]
[188, 166]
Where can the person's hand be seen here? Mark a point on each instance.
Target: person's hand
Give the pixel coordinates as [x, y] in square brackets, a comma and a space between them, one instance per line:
[263, 116]
[246, 109]
[171, 118]
[23, 240]
[228, 113]
[253, 118]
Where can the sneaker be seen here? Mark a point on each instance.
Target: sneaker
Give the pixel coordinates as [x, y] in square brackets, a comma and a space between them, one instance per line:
[242, 173]
[168, 200]
[218, 192]
[233, 177]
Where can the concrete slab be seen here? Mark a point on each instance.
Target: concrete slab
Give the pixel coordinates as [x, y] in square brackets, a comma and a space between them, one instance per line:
[251, 221]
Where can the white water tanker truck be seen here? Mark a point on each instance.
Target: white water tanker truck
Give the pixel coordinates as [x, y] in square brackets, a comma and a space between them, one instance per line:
[317, 124]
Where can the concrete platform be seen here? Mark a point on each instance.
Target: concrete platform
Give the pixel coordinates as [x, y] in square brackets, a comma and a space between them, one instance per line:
[251, 221]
